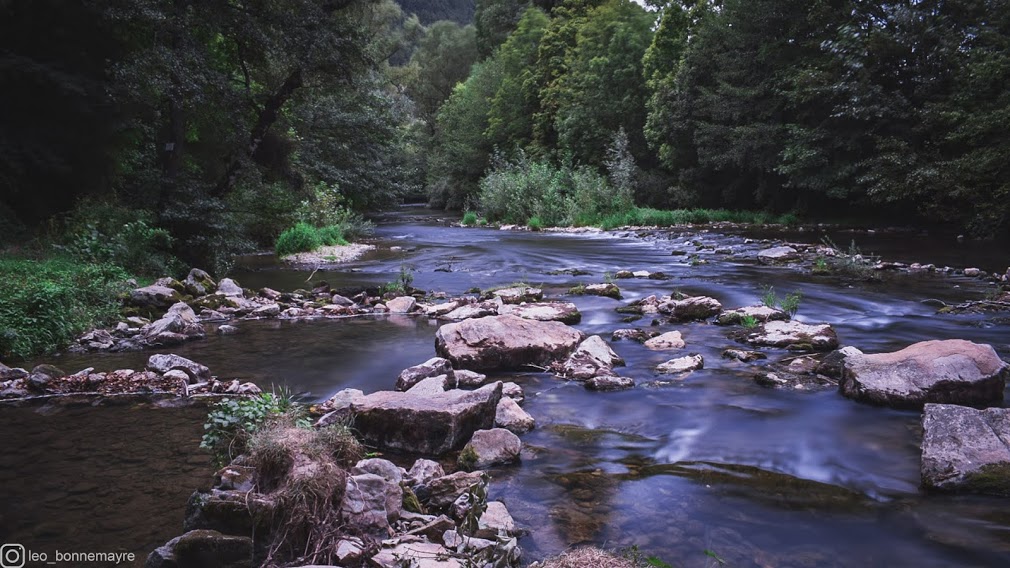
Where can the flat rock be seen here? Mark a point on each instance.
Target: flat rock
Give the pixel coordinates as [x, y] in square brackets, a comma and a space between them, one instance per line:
[964, 449]
[163, 363]
[691, 309]
[430, 387]
[154, 296]
[431, 368]
[952, 371]
[443, 491]
[795, 335]
[428, 425]
[471, 311]
[519, 294]
[609, 383]
[666, 341]
[416, 554]
[592, 357]
[682, 364]
[777, 254]
[505, 342]
[496, 446]
[462, 378]
[267, 311]
[608, 290]
[760, 314]
[565, 312]
[512, 417]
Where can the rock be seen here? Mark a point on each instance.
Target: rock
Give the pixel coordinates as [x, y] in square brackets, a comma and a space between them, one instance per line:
[760, 314]
[623, 274]
[367, 502]
[966, 449]
[744, 356]
[177, 375]
[230, 288]
[666, 341]
[439, 310]
[592, 357]
[470, 311]
[513, 391]
[795, 335]
[609, 383]
[519, 294]
[349, 551]
[641, 274]
[423, 472]
[487, 448]
[777, 254]
[467, 379]
[161, 363]
[833, 364]
[416, 554]
[341, 300]
[407, 422]
[505, 342]
[225, 511]
[99, 339]
[431, 368]
[267, 311]
[211, 315]
[154, 296]
[608, 290]
[690, 309]
[639, 335]
[340, 401]
[496, 520]
[393, 476]
[401, 305]
[444, 490]
[510, 416]
[227, 330]
[682, 364]
[203, 549]
[430, 387]
[952, 371]
[199, 283]
[42, 378]
[435, 529]
[972, 272]
[270, 294]
[233, 477]
[565, 312]
[180, 319]
[454, 540]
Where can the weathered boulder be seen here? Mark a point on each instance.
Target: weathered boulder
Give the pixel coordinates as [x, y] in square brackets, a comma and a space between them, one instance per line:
[609, 383]
[432, 386]
[179, 319]
[462, 378]
[414, 552]
[966, 449]
[266, 311]
[795, 335]
[592, 357]
[370, 503]
[444, 491]
[11, 374]
[952, 371]
[682, 364]
[666, 341]
[778, 254]
[759, 314]
[519, 294]
[471, 311]
[496, 520]
[486, 448]
[203, 549]
[505, 342]
[401, 305]
[565, 312]
[230, 288]
[608, 290]
[512, 417]
[423, 472]
[639, 335]
[513, 391]
[690, 309]
[163, 363]
[430, 368]
[198, 283]
[421, 424]
[154, 296]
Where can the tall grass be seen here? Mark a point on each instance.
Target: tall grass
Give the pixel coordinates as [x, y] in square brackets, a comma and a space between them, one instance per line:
[644, 216]
[303, 237]
[45, 304]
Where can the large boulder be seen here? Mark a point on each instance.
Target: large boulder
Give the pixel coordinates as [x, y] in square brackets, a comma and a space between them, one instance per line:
[759, 314]
[486, 448]
[154, 296]
[198, 283]
[952, 371]
[180, 319]
[512, 417]
[443, 491]
[203, 549]
[428, 425]
[966, 449]
[401, 305]
[230, 288]
[564, 312]
[505, 342]
[431, 368]
[163, 363]
[496, 520]
[690, 309]
[519, 294]
[795, 335]
[370, 502]
[593, 357]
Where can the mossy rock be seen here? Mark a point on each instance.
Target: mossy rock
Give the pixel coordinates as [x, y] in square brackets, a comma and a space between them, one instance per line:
[991, 479]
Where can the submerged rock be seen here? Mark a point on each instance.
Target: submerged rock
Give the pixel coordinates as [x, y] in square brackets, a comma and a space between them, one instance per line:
[609, 383]
[795, 335]
[951, 371]
[505, 342]
[203, 548]
[966, 449]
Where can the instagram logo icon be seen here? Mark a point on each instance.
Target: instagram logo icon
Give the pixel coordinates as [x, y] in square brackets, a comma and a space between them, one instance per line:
[12, 556]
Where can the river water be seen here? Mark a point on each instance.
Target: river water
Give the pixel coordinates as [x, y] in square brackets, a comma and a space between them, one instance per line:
[709, 469]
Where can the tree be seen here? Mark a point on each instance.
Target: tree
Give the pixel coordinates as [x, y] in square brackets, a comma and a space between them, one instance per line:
[443, 59]
[494, 21]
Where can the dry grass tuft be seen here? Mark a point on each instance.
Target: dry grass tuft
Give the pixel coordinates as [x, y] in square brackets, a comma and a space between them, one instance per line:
[586, 558]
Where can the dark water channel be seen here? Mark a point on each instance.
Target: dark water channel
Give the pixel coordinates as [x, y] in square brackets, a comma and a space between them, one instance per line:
[709, 466]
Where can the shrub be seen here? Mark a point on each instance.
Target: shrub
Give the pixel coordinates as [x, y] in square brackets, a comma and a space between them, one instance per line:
[46, 304]
[232, 422]
[534, 223]
[469, 218]
[300, 238]
[331, 235]
[328, 207]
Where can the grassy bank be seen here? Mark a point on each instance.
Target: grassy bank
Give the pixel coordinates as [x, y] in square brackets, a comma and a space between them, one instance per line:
[47, 303]
[644, 216]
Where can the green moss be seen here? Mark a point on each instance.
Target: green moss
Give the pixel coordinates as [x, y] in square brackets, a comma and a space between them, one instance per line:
[468, 459]
[991, 479]
[411, 502]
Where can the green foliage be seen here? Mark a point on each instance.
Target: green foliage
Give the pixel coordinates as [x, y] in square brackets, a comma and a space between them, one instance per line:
[232, 421]
[300, 238]
[749, 322]
[790, 304]
[402, 284]
[769, 298]
[470, 218]
[46, 304]
[331, 235]
[534, 223]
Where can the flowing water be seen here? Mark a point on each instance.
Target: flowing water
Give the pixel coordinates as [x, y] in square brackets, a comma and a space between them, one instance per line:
[709, 469]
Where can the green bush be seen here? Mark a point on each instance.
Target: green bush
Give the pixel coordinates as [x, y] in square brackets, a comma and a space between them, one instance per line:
[300, 238]
[331, 235]
[233, 421]
[535, 224]
[469, 218]
[46, 304]
[328, 208]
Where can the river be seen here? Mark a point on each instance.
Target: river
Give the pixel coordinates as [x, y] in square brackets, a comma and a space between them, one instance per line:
[709, 469]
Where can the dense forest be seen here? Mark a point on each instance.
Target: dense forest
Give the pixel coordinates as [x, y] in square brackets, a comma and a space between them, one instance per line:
[157, 134]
